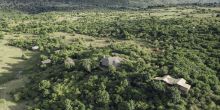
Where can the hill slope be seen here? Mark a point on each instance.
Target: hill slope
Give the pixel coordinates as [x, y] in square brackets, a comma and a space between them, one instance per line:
[37, 6]
[109, 2]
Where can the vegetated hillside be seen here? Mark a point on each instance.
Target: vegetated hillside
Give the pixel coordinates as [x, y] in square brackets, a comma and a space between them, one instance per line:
[145, 3]
[117, 1]
[122, 3]
[36, 6]
[182, 46]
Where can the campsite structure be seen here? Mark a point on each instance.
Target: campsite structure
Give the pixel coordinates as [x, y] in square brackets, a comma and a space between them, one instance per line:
[48, 61]
[114, 61]
[35, 47]
[172, 81]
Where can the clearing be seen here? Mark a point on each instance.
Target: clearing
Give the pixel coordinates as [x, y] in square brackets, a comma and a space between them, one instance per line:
[10, 64]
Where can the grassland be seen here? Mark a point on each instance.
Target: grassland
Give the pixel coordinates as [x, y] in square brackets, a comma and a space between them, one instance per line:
[11, 63]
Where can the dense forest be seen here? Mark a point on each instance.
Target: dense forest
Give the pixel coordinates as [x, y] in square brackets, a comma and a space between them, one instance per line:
[183, 46]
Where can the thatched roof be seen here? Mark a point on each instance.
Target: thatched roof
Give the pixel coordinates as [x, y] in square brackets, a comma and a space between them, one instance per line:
[180, 82]
[46, 61]
[115, 61]
[35, 47]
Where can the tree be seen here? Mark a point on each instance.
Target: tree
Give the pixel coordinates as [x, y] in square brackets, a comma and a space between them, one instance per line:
[69, 63]
[58, 89]
[44, 84]
[141, 105]
[44, 87]
[78, 105]
[102, 97]
[175, 95]
[68, 104]
[86, 64]
[111, 69]
[127, 105]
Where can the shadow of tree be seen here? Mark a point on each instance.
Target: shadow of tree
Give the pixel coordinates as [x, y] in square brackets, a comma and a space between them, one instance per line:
[23, 66]
[15, 78]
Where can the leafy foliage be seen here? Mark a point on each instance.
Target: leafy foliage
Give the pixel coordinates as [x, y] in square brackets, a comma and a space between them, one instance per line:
[182, 47]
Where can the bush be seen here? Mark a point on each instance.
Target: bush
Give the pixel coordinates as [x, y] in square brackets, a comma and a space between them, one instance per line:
[24, 56]
[69, 63]
[17, 97]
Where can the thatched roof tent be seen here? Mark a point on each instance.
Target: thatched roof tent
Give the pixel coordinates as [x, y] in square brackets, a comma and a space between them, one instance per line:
[115, 61]
[172, 81]
[35, 47]
[48, 61]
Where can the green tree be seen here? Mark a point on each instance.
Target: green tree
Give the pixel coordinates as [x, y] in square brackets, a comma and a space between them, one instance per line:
[86, 64]
[44, 84]
[102, 97]
[78, 105]
[68, 104]
[127, 105]
[69, 63]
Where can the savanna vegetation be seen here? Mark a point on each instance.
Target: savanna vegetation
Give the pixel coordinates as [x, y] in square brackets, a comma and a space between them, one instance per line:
[38, 6]
[182, 41]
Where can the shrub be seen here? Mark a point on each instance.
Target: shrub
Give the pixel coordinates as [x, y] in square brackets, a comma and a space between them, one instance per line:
[24, 56]
[86, 64]
[17, 96]
[69, 63]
